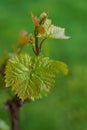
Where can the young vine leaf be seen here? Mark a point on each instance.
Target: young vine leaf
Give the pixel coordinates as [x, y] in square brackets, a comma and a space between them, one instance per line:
[52, 31]
[32, 77]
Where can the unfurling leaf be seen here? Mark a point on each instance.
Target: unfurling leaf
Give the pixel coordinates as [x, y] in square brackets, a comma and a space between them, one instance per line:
[40, 29]
[23, 38]
[52, 31]
[32, 77]
[35, 20]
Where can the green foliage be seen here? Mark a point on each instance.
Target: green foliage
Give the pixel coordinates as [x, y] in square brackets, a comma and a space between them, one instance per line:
[73, 16]
[32, 77]
[52, 31]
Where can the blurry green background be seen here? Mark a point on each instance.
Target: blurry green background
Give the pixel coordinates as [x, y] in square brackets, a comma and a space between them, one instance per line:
[66, 106]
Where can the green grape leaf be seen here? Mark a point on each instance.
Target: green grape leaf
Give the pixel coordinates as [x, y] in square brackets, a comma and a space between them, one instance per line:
[52, 31]
[32, 77]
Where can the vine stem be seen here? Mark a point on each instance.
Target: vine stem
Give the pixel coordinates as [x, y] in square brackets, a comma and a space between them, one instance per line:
[36, 41]
[13, 106]
[42, 43]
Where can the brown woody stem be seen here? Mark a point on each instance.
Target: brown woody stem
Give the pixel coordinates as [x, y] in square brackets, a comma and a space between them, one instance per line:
[13, 107]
